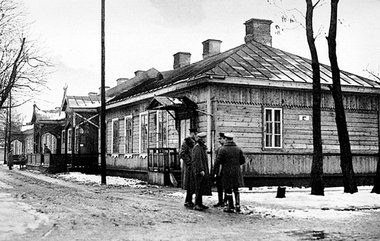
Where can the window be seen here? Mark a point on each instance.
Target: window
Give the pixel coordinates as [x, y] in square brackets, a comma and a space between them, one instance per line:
[69, 132]
[273, 128]
[115, 136]
[152, 120]
[50, 141]
[143, 143]
[16, 147]
[128, 125]
[63, 141]
[162, 129]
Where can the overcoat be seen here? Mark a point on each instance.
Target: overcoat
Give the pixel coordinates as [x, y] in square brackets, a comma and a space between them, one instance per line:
[10, 159]
[217, 167]
[231, 157]
[185, 155]
[200, 163]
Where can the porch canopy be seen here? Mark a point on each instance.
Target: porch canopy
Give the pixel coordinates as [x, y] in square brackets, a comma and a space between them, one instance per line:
[183, 107]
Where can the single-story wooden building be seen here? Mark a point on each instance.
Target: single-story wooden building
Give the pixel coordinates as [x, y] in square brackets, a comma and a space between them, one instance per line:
[42, 139]
[260, 93]
[81, 130]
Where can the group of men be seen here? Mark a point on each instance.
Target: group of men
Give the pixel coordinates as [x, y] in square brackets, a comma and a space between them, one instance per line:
[226, 172]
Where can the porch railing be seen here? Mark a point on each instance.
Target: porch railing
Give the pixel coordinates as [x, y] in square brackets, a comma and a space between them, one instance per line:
[163, 159]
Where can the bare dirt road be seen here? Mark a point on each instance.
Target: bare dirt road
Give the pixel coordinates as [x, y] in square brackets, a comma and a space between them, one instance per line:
[74, 211]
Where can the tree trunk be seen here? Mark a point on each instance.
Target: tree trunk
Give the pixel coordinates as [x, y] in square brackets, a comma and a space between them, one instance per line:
[317, 186]
[340, 117]
[13, 76]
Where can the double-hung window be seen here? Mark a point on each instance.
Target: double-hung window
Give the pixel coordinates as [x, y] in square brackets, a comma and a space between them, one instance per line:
[273, 128]
[143, 131]
[128, 132]
[115, 136]
[162, 129]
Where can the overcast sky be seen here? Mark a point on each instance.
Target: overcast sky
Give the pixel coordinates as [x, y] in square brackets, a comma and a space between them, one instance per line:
[141, 34]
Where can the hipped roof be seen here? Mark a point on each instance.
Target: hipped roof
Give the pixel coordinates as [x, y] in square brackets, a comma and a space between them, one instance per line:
[252, 61]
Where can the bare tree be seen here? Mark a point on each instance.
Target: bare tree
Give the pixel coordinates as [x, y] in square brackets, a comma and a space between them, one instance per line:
[316, 182]
[22, 69]
[340, 116]
[317, 186]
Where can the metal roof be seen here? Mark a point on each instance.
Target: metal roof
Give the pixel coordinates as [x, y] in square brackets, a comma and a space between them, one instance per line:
[252, 60]
[90, 101]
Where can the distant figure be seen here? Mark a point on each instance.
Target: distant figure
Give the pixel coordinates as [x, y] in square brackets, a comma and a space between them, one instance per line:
[218, 174]
[200, 171]
[231, 157]
[46, 149]
[10, 159]
[185, 155]
[22, 160]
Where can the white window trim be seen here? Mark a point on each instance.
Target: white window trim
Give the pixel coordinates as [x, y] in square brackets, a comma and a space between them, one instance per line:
[113, 120]
[141, 114]
[125, 131]
[273, 135]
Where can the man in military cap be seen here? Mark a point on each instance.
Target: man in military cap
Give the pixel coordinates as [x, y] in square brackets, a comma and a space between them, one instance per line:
[200, 171]
[231, 157]
[217, 174]
[185, 155]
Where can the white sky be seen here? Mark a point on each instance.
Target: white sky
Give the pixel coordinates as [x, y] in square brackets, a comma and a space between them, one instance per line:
[141, 34]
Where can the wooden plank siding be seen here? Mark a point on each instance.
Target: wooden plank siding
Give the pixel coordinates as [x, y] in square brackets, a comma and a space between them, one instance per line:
[240, 110]
[259, 164]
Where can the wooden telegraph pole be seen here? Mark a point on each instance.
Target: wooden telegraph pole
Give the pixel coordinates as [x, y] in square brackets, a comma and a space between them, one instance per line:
[103, 99]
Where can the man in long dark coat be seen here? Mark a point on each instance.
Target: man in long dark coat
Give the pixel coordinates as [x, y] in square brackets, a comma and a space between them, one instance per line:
[185, 155]
[217, 174]
[231, 157]
[10, 159]
[201, 171]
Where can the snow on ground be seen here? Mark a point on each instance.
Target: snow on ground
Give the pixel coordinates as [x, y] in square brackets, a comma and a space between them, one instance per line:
[16, 216]
[298, 202]
[96, 179]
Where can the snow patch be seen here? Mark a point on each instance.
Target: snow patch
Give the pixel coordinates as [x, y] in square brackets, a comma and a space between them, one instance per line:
[96, 179]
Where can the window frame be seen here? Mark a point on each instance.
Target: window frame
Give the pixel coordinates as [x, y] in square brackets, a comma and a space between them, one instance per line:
[140, 131]
[112, 136]
[273, 123]
[69, 140]
[128, 117]
[160, 113]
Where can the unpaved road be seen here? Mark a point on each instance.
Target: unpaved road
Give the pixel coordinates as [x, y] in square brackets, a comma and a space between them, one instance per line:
[74, 211]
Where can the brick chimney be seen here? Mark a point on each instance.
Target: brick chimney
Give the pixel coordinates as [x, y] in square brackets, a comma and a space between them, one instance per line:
[121, 80]
[258, 30]
[181, 59]
[139, 73]
[211, 47]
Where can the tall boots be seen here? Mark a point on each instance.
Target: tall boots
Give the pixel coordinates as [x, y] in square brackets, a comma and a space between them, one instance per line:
[230, 206]
[237, 201]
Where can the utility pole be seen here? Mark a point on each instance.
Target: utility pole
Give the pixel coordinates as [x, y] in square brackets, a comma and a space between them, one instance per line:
[103, 99]
[10, 121]
[6, 137]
